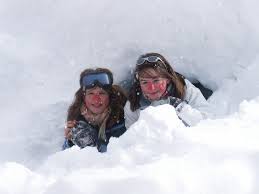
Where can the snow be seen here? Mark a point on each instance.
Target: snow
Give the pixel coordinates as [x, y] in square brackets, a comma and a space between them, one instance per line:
[44, 45]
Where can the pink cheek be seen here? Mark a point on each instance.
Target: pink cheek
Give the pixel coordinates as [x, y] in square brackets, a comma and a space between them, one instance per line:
[92, 99]
[87, 101]
[162, 86]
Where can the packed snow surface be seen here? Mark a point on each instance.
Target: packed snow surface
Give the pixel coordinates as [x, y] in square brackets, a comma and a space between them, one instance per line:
[44, 45]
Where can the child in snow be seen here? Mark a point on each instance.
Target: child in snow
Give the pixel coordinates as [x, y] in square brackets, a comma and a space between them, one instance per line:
[155, 83]
[96, 113]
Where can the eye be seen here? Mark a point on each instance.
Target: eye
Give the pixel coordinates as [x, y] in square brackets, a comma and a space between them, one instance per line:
[156, 80]
[143, 82]
[103, 93]
[89, 93]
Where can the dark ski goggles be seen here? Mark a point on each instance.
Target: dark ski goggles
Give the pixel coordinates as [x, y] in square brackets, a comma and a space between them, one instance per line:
[103, 80]
[151, 59]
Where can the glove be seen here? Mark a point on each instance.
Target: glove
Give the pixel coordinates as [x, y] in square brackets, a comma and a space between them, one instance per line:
[160, 102]
[84, 135]
[174, 101]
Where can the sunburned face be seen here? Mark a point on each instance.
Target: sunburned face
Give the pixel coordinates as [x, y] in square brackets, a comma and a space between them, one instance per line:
[96, 100]
[153, 86]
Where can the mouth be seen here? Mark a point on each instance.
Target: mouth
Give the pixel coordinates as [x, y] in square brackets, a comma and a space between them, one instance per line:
[153, 93]
[97, 105]
[153, 96]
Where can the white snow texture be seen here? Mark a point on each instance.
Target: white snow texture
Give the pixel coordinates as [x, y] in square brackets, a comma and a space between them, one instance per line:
[45, 44]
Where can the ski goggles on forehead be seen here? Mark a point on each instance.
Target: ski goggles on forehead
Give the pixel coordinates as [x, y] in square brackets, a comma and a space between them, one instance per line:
[104, 80]
[151, 59]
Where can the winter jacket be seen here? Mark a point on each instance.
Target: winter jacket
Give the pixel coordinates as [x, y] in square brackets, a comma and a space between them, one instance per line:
[88, 135]
[190, 111]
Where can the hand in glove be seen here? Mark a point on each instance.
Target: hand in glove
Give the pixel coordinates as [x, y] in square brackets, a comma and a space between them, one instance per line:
[83, 135]
[160, 102]
[174, 101]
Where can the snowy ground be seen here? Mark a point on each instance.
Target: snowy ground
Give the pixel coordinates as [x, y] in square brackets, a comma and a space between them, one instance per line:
[44, 45]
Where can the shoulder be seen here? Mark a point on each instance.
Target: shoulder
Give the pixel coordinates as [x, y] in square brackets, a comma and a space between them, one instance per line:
[128, 111]
[190, 89]
[127, 106]
[130, 116]
[193, 95]
[188, 84]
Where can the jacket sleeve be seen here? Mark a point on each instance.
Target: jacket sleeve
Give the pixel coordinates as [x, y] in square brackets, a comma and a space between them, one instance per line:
[118, 129]
[196, 106]
[67, 144]
[194, 97]
[130, 117]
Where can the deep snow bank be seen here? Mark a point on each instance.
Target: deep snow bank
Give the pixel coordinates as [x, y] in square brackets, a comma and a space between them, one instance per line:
[153, 157]
[45, 44]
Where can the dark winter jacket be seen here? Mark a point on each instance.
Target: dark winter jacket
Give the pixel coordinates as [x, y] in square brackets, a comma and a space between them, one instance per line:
[86, 134]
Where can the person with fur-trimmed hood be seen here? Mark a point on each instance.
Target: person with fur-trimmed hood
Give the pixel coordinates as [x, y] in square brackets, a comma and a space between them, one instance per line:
[96, 113]
[155, 83]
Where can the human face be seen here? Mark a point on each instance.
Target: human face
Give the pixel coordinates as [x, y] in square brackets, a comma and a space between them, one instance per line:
[152, 84]
[96, 100]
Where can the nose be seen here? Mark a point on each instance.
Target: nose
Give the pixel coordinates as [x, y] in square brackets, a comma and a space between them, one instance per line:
[96, 98]
[150, 86]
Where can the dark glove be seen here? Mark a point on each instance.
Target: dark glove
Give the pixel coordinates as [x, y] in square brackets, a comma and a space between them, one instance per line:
[174, 101]
[169, 100]
[84, 135]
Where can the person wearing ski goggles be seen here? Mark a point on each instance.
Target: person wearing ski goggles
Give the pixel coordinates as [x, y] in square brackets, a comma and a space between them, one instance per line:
[96, 114]
[102, 79]
[155, 83]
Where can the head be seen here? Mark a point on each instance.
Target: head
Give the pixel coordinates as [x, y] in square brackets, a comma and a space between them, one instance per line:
[96, 93]
[96, 86]
[153, 84]
[96, 100]
[153, 75]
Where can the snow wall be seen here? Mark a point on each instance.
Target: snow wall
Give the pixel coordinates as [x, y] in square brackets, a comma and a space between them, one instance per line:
[44, 45]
